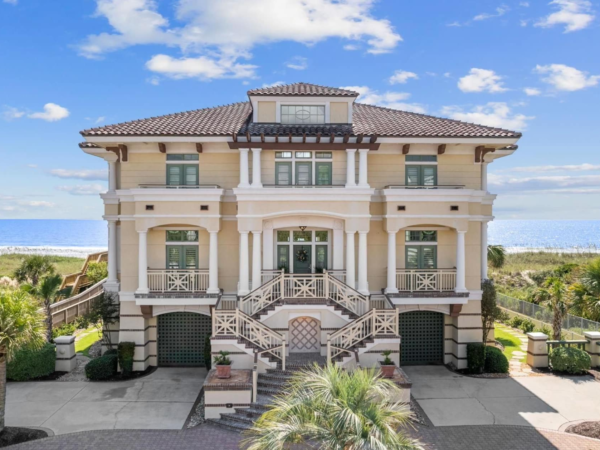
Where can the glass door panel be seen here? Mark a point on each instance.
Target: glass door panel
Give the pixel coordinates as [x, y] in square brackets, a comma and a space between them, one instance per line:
[323, 173]
[320, 258]
[283, 258]
[303, 173]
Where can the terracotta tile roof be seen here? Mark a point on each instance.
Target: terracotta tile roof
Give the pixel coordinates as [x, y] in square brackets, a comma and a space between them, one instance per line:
[217, 121]
[304, 89]
[271, 129]
[88, 145]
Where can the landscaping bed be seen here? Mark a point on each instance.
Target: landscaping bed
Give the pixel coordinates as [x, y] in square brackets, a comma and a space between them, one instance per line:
[587, 429]
[17, 435]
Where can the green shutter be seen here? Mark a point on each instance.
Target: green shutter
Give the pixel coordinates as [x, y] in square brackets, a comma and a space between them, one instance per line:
[303, 173]
[421, 257]
[191, 174]
[412, 175]
[182, 257]
[191, 256]
[174, 175]
[173, 256]
[323, 173]
[283, 173]
[412, 257]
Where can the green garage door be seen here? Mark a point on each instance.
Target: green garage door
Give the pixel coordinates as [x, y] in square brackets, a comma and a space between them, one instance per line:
[181, 338]
[422, 334]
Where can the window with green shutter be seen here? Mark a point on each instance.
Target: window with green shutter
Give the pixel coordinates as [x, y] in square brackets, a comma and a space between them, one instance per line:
[182, 175]
[323, 173]
[182, 257]
[283, 173]
[303, 174]
[421, 256]
[421, 175]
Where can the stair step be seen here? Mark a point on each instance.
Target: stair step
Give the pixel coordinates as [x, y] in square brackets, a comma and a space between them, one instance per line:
[276, 377]
[271, 384]
[253, 412]
[229, 424]
[237, 417]
[267, 390]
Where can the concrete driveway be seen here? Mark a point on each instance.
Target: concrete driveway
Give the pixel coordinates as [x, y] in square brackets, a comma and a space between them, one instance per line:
[544, 401]
[162, 400]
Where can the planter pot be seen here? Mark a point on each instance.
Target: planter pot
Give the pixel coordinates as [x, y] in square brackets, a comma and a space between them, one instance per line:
[387, 371]
[224, 371]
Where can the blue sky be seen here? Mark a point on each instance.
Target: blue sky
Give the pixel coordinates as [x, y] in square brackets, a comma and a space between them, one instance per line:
[69, 65]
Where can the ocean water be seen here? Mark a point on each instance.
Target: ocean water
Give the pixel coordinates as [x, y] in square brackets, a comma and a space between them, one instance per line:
[80, 237]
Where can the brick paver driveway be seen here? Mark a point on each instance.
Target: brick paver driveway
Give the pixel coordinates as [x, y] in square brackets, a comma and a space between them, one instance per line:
[212, 438]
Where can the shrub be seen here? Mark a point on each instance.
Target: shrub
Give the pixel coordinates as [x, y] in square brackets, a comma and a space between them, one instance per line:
[66, 329]
[475, 357]
[516, 321]
[495, 361]
[102, 368]
[544, 329]
[503, 317]
[28, 364]
[97, 271]
[570, 360]
[125, 352]
[111, 351]
[527, 326]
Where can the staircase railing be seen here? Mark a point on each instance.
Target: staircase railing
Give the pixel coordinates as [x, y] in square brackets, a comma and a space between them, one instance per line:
[265, 295]
[376, 322]
[236, 324]
[345, 295]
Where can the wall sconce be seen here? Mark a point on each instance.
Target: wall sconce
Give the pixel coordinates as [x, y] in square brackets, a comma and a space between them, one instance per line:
[302, 228]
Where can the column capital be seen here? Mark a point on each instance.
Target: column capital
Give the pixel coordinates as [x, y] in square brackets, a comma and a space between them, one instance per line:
[256, 149]
[242, 150]
[362, 150]
[350, 150]
[350, 232]
[461, 231]
[257, 232]
[244, 232]
[363, 232]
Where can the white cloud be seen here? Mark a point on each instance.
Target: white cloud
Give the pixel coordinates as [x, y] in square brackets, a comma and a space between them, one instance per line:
[11, 2]
[52, 113]
[83, 189]
[454, 24]
[297, 63]
[9, 113]
[214, 35]
[402, 76]
[532, 92]
[276, 83]
[36, 203]
[480, 80]
[565, 78]
[447, 74]
[84, 174]
[154, 81]
[387, 99]
[523, 22]
[573, 14]
[351, 47]
[493, 114]
[551, 184]
[585, 167]
[100, 119]
[500, 11]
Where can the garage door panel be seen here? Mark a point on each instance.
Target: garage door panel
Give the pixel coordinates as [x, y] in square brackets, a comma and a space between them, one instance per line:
[181, 339]
[422, 334]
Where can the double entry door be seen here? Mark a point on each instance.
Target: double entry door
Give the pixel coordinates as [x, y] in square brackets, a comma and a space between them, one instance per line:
[182, 257]
[301, 261]
[421, 257]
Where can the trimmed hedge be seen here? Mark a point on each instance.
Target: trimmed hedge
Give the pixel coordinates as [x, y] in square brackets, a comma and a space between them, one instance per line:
[516, 321]
[570, 360]
[28, 364]
[125, 352]
[527, 326]
[102, 368]
[475, 357]
[495, 361]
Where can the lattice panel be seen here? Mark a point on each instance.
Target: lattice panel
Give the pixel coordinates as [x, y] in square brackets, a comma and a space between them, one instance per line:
[305, 337]
[422, 334]
[181, 338]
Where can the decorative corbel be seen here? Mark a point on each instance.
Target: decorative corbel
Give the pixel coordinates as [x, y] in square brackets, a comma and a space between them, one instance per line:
[405, 149]
[480, 153]
[441, 149]
[373, 139]
[262, 137]
[116, 151]
[455, 310]
[346, 138]
[359, 138]
[198, 147]
[318, 138]
[332, 138]
[146, 311]
[123, 149]
[248, 137]
[162, 147]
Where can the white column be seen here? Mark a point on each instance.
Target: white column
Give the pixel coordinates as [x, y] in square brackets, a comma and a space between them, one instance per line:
[350, 271]
[244, 168]
[256, 260]
[213, 263]
[392, 288]
[484, 250]
[244, 273]
[112, 176]
[268, 249]
[363, 285]
[256, 170]
[142, 262]
[484, 183]
[460, 262]
[112, 252]
[338, 249]
[351, 167]
[363, 168]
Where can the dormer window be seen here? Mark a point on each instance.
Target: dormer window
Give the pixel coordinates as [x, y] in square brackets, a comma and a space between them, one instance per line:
[302, 114]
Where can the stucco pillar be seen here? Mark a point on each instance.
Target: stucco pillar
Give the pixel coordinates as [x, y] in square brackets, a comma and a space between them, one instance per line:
[244, 168]
[460, 262]
[537, 350]
[213, 263]
[112, 281]
[351, 167]
[593, 346]
[338, 249]
[142, 262]
[65, 354]
[256, 168]
[392, 288]
[362, 167]
[244, 271]
[267, 248]
[484, 183]
[112, 176]
[484, 249]
[256, 260]
[350, 270]
[363, 285]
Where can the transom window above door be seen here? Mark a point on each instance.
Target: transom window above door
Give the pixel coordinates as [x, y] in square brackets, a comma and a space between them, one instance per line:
[302, 114]
[303, 168]
[182, 236]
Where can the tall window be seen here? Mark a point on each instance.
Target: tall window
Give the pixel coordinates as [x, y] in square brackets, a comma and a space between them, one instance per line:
[182, 249]
[302, 114]
[303, 168]
[421, 170]
[182, 170]
[421, 249]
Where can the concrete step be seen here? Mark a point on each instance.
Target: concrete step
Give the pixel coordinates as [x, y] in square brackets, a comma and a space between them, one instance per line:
[237, 417]
[229, 424]
[253, 412]
[267, 390]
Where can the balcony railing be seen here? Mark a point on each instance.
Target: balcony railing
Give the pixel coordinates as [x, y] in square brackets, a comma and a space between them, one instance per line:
[179, 186]
[179, 280]
[416, 280]
[437, 186]
[304, 186]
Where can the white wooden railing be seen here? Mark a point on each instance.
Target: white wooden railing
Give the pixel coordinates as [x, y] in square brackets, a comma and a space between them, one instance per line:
[377, 322]
[415, 280]
[236, 324]
[177, 280]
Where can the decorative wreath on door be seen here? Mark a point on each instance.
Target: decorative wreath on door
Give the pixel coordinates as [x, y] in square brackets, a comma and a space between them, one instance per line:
[302, 255]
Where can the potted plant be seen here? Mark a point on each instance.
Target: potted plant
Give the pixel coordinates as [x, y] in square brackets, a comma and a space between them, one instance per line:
[223, 364]
[387, 365]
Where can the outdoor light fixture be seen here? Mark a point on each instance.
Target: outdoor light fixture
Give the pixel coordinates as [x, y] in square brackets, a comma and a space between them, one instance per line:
[302, 228]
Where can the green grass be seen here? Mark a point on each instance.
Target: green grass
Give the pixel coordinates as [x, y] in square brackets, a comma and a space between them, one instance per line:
[510, 342]
[518, 262]
[64, 264]
[83, 345]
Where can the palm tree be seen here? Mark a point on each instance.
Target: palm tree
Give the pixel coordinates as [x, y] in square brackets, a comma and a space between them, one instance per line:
[496, 255]
[21, 324]
[586, 292]
[47, 290]
[554, 295]
[335, 409]
[33, 268]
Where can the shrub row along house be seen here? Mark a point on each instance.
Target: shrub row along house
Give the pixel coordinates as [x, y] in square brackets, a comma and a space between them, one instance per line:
[298, 222]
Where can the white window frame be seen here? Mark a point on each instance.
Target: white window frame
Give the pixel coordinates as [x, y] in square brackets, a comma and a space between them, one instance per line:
[312, 244]
[313, 159]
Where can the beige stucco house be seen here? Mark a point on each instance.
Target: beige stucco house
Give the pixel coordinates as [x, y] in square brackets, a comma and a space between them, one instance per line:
[298, 222]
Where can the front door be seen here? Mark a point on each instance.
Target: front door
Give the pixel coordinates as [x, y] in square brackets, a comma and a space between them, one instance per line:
[421, 257]
[302, 258]
[305, 335]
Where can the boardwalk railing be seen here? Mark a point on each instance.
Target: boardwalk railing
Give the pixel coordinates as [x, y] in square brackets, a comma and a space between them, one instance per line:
[417, 280]
[67, 310]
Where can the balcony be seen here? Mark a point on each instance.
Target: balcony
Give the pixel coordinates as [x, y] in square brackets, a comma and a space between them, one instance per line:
[179, 186]
[177, 283]
[426, 283]
[437, 186]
